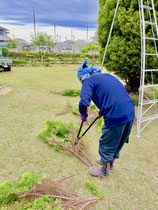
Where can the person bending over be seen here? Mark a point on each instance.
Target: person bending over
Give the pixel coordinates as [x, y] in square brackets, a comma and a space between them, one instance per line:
[117, 108]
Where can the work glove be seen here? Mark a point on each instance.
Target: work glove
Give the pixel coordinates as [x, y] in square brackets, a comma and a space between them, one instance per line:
[84, 117]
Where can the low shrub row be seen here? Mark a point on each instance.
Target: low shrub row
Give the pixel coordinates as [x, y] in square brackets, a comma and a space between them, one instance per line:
[33, 59]
[52, 55]
[20, 61]
[47, 62]
[22, 54]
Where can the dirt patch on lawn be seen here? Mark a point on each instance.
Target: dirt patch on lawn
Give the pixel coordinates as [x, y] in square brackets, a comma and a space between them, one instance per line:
[65, 110]
[5, 90]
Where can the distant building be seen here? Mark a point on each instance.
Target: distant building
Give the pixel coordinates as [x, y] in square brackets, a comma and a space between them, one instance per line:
[31, 48]
[69, 46]
[21, 42]
[66, 46]
[79, 44]
[4, 36]
[58, 47]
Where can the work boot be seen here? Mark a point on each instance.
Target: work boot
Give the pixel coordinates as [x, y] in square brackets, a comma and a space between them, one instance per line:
[98, 160]
[104, 171]
[112, 164]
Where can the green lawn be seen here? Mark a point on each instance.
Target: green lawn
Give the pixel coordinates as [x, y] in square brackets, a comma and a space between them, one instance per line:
[134, 183]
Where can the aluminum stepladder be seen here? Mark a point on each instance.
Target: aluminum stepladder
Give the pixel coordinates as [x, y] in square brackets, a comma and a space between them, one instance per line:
[145, 115]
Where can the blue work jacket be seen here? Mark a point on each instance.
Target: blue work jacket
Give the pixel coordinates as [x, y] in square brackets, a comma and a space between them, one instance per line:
[111, 98]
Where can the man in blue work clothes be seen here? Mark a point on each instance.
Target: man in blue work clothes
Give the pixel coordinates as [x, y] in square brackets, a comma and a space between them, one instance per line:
[117, 108]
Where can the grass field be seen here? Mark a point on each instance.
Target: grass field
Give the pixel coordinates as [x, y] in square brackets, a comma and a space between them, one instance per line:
[133, 184]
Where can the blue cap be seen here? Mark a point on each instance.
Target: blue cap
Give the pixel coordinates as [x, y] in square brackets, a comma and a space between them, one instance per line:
[85, 71]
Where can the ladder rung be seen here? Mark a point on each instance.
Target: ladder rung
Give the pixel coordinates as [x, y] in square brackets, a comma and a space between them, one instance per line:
[150, 102]
[150, 38]
[147, 86]
[152, 117]
[147, 7]
[151, 54]
[151, 70]
[150, 23]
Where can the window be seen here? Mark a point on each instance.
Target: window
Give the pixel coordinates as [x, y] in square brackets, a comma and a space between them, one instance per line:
[1, 32]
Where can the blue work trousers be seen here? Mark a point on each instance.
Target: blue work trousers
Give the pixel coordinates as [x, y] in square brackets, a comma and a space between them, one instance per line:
[112, 141]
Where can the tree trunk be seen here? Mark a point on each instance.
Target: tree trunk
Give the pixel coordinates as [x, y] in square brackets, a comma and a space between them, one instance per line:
[42, 59]
[132, 86]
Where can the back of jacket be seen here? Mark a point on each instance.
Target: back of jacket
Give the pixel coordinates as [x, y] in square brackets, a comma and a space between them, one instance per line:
[110, 96]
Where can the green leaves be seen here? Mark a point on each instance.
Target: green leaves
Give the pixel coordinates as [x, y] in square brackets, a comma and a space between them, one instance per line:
[100, 123]
[12, 43]
[40, 204]
[10, 198]
[71, 92]
[9, 191]
[124, 50]
[42, 38]
[84, 50]
[94, 190]
[5, 52]
[46, 132]
[57, 130]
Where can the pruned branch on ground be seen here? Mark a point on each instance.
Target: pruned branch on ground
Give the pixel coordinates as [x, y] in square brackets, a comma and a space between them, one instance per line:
[62, 136]
[55, 190]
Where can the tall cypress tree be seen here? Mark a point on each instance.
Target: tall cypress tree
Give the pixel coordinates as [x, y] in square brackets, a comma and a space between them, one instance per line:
[124, 51]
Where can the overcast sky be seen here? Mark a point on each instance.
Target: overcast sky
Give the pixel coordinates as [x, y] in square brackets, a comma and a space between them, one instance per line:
[69, 14]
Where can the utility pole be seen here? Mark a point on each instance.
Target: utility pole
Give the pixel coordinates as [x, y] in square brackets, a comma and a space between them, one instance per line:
[55, 29]
[71, 35]
[34, 20]
[87, 25]
[57, 37]
[60, 38]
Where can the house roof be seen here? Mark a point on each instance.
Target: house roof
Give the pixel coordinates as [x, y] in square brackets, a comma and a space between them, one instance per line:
[21, 41]
[4, 29]
[68, 41]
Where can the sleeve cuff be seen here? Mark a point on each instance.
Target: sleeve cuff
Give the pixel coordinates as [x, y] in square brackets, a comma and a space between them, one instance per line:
[83, 110]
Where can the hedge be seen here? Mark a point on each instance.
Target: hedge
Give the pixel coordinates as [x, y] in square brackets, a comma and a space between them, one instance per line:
[53, 58]
[52, 54]
[17, 62]
[22, 54]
